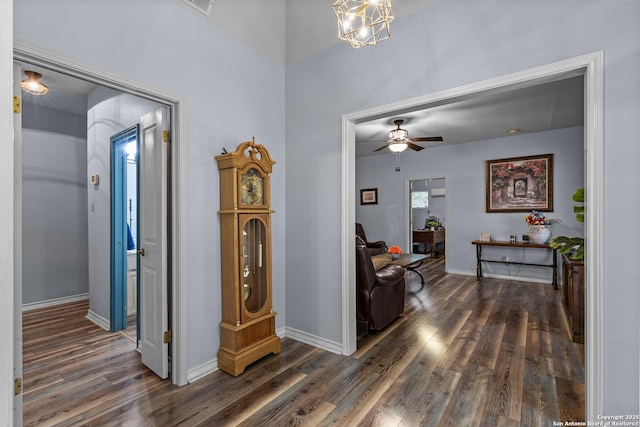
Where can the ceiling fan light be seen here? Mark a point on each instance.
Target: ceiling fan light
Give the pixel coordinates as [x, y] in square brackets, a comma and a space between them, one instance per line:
[397, 147]
[398, 135]
[33, 85]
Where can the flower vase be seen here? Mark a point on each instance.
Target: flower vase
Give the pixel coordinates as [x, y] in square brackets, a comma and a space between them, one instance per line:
[395, 256]
[539, 234]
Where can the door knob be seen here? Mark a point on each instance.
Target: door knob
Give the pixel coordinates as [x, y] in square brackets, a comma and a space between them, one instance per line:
[141, 251]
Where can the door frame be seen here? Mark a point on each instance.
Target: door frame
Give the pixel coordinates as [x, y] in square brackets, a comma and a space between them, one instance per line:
[591, 67]
[409, 214]
[119, 258]
[178, 168]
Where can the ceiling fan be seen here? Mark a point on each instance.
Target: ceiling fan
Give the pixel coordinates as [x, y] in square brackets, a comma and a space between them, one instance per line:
[399, 139]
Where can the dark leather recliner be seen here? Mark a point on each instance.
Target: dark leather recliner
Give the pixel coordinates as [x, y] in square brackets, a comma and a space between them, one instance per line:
[375, 248]
[379, 294]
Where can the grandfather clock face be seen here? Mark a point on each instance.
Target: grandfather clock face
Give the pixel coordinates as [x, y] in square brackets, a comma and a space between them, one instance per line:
[252, 188]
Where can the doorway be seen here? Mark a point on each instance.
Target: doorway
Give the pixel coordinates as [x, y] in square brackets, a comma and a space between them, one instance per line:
[427, 215]
[591, 67]
[177, 207]
[124, 229]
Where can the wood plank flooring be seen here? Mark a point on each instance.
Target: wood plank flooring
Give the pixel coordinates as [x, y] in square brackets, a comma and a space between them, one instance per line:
[494, 353]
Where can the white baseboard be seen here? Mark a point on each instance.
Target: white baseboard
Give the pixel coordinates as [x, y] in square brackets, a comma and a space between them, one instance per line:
[501, 276]
[201, 371]
[322, 343]
[460, 272]
[53, 302]
[211, 366]
[98, 320]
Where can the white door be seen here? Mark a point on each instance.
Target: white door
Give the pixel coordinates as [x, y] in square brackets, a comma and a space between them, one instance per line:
[17, 251]
[152, 258]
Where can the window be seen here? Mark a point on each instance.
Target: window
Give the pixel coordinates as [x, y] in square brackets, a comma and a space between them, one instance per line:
[419, 199]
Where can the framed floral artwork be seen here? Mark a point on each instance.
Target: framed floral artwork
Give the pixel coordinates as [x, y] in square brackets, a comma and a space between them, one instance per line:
[519, 184]
[369, 196]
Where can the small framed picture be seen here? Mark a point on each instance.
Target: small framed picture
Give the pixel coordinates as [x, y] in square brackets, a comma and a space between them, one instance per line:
[369, 196]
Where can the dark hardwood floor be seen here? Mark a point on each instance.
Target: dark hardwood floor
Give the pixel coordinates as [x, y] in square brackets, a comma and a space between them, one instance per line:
[494, 353]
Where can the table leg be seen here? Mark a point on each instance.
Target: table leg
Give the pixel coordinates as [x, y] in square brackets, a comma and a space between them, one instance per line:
[478, 262]
[414, 269]
[555, 269]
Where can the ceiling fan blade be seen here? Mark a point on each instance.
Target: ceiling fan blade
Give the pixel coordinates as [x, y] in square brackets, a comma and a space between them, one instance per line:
[414, 147]
[427, 138]
[381, 148]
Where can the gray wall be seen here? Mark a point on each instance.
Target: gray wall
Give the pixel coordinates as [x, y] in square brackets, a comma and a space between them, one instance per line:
[54, 198]
[451, 43]
[463, 165]
[242, 97]
[447, 45]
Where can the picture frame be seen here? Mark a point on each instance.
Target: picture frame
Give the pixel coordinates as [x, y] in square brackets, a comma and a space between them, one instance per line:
[519, 184]
[369, 196]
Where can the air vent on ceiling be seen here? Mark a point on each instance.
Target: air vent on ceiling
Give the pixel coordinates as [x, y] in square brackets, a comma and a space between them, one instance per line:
[202, 6]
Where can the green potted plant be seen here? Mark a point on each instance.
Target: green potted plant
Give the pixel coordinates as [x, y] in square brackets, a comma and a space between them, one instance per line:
[573, 246]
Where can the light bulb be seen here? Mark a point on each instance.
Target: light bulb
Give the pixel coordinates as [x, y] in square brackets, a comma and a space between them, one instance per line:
[397, 147]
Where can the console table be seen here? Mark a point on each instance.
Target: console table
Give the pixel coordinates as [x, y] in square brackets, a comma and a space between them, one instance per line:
[428, 236]
[479, 244]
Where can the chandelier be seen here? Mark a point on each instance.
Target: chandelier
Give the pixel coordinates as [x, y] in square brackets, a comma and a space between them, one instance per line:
[33, 85]
[363, 22]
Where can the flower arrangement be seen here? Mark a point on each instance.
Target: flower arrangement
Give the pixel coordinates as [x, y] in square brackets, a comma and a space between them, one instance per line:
[395, 250]
[538, 218]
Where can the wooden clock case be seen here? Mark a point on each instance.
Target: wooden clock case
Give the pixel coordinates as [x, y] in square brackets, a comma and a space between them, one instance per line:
[247, 330]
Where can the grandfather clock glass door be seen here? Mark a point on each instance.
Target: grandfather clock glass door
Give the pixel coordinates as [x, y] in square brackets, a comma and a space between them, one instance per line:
[255, 247]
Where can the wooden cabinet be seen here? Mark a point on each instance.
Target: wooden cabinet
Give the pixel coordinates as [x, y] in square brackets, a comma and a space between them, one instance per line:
[429, 237]
[573, 296]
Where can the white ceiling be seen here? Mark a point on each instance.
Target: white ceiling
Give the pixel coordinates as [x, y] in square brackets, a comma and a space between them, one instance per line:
[66, 93]
[291, 30]
[546, 106]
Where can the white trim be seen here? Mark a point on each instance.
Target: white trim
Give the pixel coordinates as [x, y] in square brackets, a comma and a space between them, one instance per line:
[594, 232]
[7, 231]
[591, 66]
[211, 366]
[408, 217]
[316, 341]
[53, 302]
[98, 320]
[59, 62]
[501, 276]
[198, 372]
[349, 332]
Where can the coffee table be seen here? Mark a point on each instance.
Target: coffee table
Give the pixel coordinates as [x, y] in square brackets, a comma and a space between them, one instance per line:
[411, 262]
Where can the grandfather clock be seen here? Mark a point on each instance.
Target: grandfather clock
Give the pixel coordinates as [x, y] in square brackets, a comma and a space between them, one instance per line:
[247, 330]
